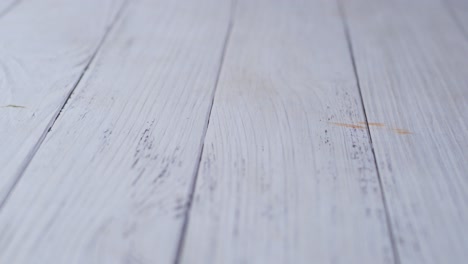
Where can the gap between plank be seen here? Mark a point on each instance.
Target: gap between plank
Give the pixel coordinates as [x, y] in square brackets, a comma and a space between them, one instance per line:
[180, 245]
[32, 153]
[10, 7]
[344, 20]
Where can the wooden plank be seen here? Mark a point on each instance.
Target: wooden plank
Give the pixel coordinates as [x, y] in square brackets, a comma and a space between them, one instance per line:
[44, 48]
[111, 181]
[7, 5]
[459, 11]
[281, 181]
[411, 60]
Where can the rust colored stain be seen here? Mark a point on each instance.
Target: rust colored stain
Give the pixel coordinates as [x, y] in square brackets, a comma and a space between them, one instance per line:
[401, 131]
[363, 125]
[347, 125]
[372, 124]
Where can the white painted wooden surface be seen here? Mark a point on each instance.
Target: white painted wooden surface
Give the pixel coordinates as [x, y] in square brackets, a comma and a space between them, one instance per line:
[278, 181]
[458, 9]
[6, 6]
[111, 181]
[44, 47]
[287, 173]
[413, 69]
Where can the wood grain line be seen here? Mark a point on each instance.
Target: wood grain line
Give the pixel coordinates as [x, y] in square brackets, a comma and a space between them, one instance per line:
[411, 60]
[183, 235]
[276, 183]
[115, 170]
[31, 154]
[43, 53]
[391, 233]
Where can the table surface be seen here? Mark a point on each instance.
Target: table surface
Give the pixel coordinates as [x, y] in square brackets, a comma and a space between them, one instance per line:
[219, 131]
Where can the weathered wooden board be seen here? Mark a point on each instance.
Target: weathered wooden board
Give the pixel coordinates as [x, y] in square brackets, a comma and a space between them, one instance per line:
[44, 48]
[458, 9]
[7, 5]
[281, 180]
[111, 181]
[413, 70]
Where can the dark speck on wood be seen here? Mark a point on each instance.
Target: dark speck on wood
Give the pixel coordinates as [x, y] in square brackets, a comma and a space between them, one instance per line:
[13, 106]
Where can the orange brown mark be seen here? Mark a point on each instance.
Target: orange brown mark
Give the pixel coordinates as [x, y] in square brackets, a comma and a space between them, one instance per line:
[402, 131]
[372, 124]
[347, 125]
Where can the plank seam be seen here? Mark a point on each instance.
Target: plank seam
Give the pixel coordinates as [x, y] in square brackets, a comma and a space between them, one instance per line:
[9, 8]
[344, 20]
[48, 128]
[181, 242]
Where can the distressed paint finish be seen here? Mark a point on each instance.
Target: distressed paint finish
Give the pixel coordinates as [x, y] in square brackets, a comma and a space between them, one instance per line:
[413, 69]
[111, 181]
[44, 48]
[117, 147]
[278, 183]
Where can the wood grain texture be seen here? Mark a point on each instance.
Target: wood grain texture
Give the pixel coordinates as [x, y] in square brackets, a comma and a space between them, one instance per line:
[459, 11]
[7, 5]
[44, 48]
[111, 181]
[279, 181]
[411, 60]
